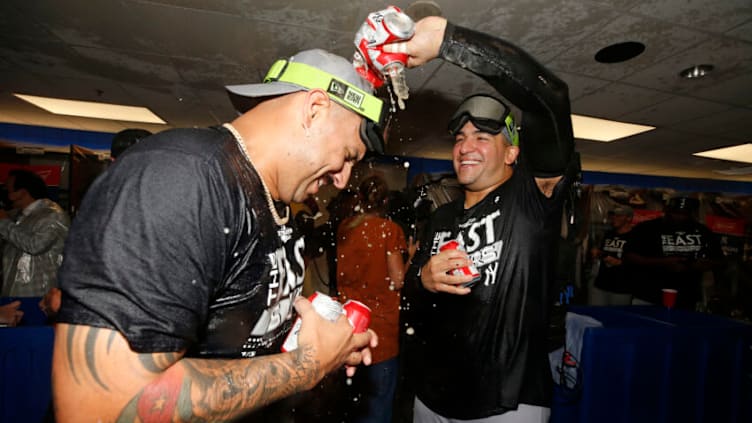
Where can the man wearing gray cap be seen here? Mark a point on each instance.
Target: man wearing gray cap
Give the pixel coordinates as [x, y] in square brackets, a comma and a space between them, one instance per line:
[183, 272]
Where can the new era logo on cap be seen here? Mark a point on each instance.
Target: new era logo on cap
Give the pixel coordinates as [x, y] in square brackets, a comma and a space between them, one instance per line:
[346, 94]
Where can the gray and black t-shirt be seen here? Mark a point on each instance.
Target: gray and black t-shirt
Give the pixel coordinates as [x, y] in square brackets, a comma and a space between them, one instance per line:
[175, 247]
[482, 353]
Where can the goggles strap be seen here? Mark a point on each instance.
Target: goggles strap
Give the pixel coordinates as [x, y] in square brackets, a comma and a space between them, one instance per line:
[510, 130]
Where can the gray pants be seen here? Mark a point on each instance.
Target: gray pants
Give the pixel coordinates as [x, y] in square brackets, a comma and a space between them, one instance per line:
[524, 414]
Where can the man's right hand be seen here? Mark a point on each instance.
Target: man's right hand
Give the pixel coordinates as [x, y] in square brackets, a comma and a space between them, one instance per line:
[425, 44]
[96, 375]
[435, 277]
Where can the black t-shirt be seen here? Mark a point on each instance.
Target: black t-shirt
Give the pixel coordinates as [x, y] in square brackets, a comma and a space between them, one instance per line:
[483, 353]
[665, 238]
[175, 247]
[614, 278]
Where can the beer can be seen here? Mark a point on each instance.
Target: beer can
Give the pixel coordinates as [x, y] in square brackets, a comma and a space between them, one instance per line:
[358, 314]
[467, 270]
[398, 24]
[326, 306]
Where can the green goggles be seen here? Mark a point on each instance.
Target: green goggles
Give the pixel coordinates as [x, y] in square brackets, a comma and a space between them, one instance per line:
[372, 108]
[488, 114]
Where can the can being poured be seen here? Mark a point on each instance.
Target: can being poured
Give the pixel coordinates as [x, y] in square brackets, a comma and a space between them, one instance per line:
[467, 270]
[372, 62]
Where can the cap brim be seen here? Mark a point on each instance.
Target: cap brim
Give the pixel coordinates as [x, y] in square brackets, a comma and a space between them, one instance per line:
[245, 97]
[264, 89]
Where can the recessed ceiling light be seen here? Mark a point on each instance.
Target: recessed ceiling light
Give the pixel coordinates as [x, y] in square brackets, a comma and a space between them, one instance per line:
[595, 129]
[620, 52]
[92, 109]
[696, 71]
[736, 153]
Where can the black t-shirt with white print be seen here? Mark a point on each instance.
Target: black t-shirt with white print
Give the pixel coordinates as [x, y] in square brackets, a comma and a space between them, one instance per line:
[614, 278]
[482, 353]
[175, 247]
[660, 238]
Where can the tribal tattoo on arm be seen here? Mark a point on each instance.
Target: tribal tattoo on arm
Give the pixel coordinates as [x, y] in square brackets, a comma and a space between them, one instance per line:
[220, 390]
[185, 389]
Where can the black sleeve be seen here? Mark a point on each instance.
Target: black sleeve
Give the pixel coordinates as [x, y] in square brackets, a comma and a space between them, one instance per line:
[420, 258]
[143, 256]
[546, 137]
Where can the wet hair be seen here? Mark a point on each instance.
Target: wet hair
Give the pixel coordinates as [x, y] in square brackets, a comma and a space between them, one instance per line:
[30, 181]
[374, 193]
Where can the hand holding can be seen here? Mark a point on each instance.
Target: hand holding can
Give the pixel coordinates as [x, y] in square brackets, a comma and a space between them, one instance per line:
[470, 270]
[372, 62]
[358, 314]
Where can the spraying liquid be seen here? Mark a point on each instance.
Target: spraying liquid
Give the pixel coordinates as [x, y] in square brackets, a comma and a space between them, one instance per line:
[396, 74]
[372, 62]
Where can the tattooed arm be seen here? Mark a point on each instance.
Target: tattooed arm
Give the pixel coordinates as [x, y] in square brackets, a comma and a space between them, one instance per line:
[97, 377]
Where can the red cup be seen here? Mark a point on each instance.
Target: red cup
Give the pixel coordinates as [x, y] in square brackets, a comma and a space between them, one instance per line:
[669, 297]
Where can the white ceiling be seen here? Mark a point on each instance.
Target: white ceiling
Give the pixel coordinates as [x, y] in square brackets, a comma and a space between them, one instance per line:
[175, 56]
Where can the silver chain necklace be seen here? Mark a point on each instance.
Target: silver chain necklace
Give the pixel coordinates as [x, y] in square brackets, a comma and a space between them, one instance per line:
[272, 208]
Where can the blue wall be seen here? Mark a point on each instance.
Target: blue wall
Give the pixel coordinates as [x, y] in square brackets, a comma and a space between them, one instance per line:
[101, 141]
[55, 137]
[434, 166]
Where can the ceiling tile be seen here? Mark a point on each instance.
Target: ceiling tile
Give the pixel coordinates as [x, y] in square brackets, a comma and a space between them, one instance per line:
[725, 15]
[621, 99]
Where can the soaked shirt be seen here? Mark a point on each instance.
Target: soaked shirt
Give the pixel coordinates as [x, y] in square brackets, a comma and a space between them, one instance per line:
[483, 352]
[32, 248]
[175, 248]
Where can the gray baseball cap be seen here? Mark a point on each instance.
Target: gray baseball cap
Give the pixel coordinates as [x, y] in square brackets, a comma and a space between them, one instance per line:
[334, 74]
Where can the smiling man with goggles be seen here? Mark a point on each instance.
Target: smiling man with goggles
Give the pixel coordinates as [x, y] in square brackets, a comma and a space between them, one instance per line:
[313, 69]
[488, 114]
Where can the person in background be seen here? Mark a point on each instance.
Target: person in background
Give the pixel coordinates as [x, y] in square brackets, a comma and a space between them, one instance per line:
[480, 351]
[125, 139]
[322, 245]
[34, 234]
[672, 251]
[183, 271]
[613, 283]
[371, 269]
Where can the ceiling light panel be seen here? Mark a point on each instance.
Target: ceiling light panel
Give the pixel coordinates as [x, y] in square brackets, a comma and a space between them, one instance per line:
[92, 109]
[594, 129]
[741, 153]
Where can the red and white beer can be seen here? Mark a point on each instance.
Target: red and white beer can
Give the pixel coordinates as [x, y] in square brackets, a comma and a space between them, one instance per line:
[326, 306]
[358, 314]
[467, 270]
